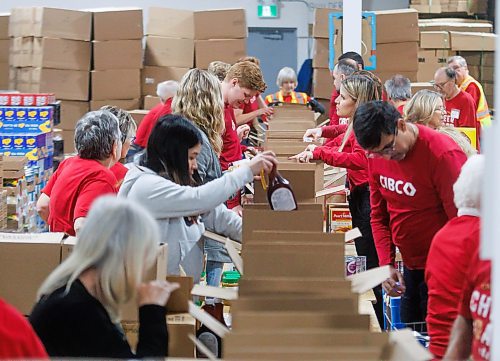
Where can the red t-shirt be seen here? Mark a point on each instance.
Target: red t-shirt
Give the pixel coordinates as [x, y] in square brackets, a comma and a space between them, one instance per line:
[334, 118]
[413, 198]
[72, 190]
[249, 107]
[451, 249]
[476, 305]
[18, 340]
[231, 149]
[149, 122]
[460, 111]
[119, 171]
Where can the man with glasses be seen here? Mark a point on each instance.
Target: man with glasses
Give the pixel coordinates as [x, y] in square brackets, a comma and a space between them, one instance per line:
[411, 172]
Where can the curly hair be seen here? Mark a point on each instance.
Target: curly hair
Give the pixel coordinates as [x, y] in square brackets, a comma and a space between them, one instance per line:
[249, 76]
[219, 69]
[199, 99]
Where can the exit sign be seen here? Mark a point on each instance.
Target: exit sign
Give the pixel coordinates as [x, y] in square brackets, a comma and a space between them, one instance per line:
[267, 11]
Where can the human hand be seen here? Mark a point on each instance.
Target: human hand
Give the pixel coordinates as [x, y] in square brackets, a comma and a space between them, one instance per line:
[394, 286]
[243, 131]
[155, 292]
[303, 157]
[265, 161]
[267, 111]
[313, 133]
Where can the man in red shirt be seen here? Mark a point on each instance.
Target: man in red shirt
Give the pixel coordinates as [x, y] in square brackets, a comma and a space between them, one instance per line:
[412, 170]
[70, 192]
[451, 249]
[472, 331]
[398, 90]
[166, 92]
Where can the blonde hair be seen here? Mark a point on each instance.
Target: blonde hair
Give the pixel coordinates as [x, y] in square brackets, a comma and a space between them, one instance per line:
[219, 69]
[248, 75]
[421, 107]
[125, 120]
[284, 75]
[361, 89]
[199, 98]
[119, 239]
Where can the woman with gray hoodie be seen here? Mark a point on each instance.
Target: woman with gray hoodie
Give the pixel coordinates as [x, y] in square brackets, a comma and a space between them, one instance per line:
[166, 182]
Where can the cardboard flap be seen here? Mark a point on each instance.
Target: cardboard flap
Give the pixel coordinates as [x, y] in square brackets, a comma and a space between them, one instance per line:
[235, 257]
[161, 262]
[365, 281]
[229, 294]
[47, 237]
[218, 328]
[404, 346]
[222, 239]
[352, 234]
[328, 191]
[178, 300]
[201, 346]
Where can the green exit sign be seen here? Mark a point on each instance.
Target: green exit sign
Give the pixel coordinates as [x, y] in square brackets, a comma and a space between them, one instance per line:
[267, 11]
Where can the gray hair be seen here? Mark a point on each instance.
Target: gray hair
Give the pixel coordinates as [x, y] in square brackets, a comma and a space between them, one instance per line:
[459, 59]
[344, 67]
[167, 89]
[467, 188]
[398, 88]
[126, 122]
[449, 72]
[96, 133]
[286, 74]
[119, 240]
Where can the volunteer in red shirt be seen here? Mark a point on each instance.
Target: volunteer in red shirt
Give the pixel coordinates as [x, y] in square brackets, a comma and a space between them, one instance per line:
[166, 91]
[451, 249]
[79, 180]
[18, 340]
[354, 91]
[472, 332]
[127, 130]
[412, 169]
[398, 90]
[460, 107]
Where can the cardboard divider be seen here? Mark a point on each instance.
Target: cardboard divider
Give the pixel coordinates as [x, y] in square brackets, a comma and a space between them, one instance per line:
[251, 286]
[299, 125]
[295, 236]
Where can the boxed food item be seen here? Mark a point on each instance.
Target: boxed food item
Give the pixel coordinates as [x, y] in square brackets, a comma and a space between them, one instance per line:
[339, 220]
[39, 99]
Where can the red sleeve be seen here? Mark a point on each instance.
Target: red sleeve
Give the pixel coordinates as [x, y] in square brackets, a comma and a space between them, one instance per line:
[380, 224]
[445, 174]
[332, 131]
[90, 192]
[474, 92]
[356, 160]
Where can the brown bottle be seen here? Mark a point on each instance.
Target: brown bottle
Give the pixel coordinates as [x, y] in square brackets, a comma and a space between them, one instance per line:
[279, 193]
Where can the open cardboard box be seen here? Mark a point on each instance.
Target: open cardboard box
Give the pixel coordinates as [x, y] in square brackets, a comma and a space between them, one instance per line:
[299, 125]
[284, 134]
[289, 110]
[251, 286]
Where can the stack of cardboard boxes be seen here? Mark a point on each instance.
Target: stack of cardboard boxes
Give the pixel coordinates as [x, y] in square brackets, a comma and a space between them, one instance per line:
[477, 7]
[169, 50]
[4, 51]
[116, 58]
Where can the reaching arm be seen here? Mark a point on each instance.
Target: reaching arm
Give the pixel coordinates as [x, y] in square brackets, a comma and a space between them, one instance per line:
[355, 160]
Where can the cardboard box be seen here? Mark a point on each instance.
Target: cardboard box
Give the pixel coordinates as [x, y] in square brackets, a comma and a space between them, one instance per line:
[138, 115]
[287, 111]
[4, 50]
[151, 101]
[479, 58]
[61, 54]
[321, 52]
[453, 24]
[415, 87]
[322, 83]
[117, 54]
[435, 40]
[472, 41]
[397, 26]
[21, 53]
[308, 217]
[252, 286]
[153, 75]
[174, 52]
[291, 126]
[68, 137]
[117, 24]
[4, 76]
[220, 24]
[321, 27]
[226, 50]
[71, 113]
[50, 23]
[284, 134]
[397, 57]
[66, 84]
[172, 23]
[26, 260]
[117, 84]
[125, 104]
[339, 220]
[4, 25]
[287, 150]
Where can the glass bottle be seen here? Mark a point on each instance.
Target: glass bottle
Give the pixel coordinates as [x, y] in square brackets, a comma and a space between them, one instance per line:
[279, 193]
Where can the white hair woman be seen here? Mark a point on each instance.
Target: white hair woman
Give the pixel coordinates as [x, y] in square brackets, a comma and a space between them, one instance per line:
[452, 249]
[287, 82]
[78, 308]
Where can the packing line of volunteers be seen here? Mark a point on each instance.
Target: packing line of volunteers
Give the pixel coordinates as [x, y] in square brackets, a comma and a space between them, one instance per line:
[404, 176]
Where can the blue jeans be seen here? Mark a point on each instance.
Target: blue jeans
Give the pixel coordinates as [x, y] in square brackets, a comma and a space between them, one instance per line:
[214, 273]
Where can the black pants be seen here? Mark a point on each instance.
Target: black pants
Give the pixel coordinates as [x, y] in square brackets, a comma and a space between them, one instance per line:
[414, 300]
[359, 205]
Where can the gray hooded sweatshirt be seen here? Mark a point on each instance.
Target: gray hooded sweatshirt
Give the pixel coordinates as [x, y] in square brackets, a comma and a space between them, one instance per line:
[171, 204]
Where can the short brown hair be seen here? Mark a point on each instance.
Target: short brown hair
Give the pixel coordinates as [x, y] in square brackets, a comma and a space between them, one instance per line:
[249, 76]
[251, 59]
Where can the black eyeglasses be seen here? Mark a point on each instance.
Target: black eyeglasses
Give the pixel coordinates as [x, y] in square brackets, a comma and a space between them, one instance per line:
[387, 150]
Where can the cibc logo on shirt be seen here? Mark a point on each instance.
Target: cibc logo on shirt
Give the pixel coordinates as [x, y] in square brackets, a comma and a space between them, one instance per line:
[398, 186]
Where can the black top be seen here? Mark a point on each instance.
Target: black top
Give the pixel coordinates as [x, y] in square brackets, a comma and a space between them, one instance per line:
[77, 325]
